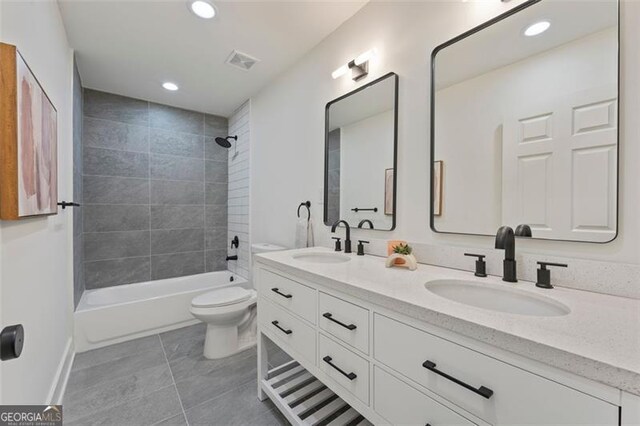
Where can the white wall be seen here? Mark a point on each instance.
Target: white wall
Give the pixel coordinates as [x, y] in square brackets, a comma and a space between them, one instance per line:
[238, 213]
[288, 126]
[476, 151]
[35, 254]
[366, 150]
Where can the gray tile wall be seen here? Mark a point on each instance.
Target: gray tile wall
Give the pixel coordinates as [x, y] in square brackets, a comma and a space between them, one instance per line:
[155, 191]
[78, 244]
[333, 199]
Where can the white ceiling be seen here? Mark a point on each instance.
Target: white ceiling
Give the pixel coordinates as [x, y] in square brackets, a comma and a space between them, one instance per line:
[130, 47]
[504, 43]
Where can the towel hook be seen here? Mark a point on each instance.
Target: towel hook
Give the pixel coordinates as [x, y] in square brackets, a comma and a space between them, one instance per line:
[306, 204]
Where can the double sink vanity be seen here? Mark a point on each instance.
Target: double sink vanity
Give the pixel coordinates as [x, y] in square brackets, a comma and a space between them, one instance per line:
[439, 346]
[523, 140]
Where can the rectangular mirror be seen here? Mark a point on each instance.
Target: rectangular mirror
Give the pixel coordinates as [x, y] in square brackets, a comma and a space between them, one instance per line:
[524, 114]
[361, 137]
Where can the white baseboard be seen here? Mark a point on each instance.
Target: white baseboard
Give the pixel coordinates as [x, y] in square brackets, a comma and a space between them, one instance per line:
[59, 384]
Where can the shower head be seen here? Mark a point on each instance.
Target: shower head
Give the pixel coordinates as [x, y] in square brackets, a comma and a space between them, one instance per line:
[224, 142]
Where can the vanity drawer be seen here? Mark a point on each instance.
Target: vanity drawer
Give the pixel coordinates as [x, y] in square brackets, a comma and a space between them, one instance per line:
[288, 329]
[296, 297]
[344, 320]
[401, 404]
[345, 367]
[511, 395]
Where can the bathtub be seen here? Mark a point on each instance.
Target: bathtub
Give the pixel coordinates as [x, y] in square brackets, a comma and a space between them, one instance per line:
[115, 314]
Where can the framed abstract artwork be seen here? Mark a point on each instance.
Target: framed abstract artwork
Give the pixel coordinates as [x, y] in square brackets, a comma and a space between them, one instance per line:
[388, 191]
[438, 167]
[28, 141]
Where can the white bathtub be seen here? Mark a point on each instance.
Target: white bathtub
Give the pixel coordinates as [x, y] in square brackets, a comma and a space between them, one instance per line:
[116, 314]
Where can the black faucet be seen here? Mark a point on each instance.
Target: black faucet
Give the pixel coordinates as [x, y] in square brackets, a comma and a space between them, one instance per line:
[506, 240]
[234, 257]
[365, 221]
[347, 240]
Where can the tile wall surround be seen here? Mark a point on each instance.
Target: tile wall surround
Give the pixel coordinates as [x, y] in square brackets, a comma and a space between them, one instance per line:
[154, 189]
[78, 240]
[617, 279]
[239, 175]
[333, 198]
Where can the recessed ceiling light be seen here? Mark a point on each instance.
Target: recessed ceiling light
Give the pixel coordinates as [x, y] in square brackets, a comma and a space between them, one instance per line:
[202, 8]
[172, 87]
[537, 28]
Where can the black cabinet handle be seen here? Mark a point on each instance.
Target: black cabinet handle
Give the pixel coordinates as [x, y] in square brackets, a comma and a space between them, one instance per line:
[277, 324]
[328, 316]
[482, 391]
[350, 376]
[277, 290]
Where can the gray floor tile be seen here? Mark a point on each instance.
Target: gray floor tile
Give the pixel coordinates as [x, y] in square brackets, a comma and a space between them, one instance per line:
[229, 374]
[236, 407]
[195, 364]
[113, 352]
[187, 341]
[84, 402]
[148, 410]
[178, 420]
[91, 376]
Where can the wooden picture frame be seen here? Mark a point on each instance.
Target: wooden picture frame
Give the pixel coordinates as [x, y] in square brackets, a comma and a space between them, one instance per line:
[438, 168]
[28, 141]
[389, 175]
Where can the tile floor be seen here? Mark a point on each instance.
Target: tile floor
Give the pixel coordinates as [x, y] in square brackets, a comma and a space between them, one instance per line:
[164, 380]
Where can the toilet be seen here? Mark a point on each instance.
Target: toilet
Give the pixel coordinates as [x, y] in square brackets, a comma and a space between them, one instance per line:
[230, 315]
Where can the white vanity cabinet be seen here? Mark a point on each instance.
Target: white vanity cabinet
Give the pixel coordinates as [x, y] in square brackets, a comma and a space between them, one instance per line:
[397, 370]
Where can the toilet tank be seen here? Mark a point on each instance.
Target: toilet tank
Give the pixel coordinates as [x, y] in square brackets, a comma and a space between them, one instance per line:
[258, 248]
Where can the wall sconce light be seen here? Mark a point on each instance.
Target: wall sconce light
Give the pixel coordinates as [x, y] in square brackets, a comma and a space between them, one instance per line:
[359, 66]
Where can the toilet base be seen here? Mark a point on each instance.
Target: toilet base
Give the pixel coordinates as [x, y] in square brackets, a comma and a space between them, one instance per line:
[221, 342]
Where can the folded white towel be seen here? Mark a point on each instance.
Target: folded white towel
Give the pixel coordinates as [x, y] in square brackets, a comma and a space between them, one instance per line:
[304, 233]
[310, 242]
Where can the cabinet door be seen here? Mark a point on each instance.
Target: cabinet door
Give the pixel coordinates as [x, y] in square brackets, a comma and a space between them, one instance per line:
[462, 376]
[401, 404]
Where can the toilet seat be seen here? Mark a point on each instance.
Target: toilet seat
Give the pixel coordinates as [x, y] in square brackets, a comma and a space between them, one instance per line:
[222, 297]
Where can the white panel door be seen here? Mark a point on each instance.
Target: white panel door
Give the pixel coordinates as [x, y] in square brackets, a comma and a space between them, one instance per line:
[559, 165]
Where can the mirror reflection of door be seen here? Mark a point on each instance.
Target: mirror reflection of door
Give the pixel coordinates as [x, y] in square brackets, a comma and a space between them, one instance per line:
[528, 125]
[360, 156]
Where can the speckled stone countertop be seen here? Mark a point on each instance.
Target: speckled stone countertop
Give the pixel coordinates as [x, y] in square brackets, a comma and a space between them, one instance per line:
[599, 339]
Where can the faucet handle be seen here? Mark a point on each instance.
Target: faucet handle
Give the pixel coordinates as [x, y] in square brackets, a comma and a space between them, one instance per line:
[544, 275]
[361, 247]
[481, 265]
[338, 244]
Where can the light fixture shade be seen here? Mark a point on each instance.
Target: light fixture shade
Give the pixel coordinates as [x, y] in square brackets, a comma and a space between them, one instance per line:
[537, 28]
[202, 8]
[172, 87]
[366, 56]
[340, 71]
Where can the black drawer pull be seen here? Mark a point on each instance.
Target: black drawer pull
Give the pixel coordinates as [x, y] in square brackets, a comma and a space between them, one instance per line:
[277, 324]
[350, 376]
[328, 316]
[482, 391]
[276, 290]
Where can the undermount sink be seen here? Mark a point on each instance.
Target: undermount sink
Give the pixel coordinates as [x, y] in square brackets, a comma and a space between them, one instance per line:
[496, 298]
[322, 258]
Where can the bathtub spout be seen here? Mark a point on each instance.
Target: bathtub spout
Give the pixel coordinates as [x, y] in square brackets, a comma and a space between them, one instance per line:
[234, 257]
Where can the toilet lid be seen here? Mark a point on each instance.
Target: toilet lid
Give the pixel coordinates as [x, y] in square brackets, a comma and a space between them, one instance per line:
[221, 297]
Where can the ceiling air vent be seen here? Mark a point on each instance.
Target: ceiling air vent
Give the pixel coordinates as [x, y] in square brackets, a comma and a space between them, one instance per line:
[242, 60]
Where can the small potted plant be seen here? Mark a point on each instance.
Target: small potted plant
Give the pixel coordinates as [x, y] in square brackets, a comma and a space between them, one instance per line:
[402, 257]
